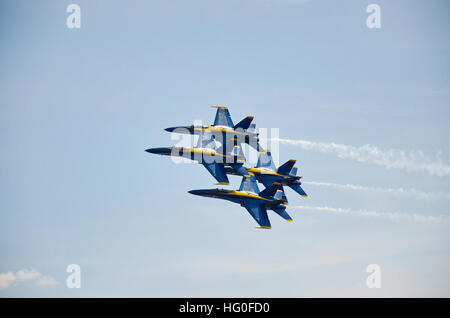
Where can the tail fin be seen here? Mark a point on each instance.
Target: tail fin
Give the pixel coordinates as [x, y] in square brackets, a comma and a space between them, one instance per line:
[251, 128]
[275, 189]
[249, 184]
[278, 195]
[287, 167]
[244, 123]
[265, 160]
[293, 171]
[223, 117]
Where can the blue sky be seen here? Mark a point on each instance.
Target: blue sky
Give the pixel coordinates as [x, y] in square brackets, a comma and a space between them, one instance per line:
[78, 107]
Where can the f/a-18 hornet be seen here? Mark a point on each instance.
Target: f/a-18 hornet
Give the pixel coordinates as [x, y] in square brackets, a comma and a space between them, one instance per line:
[257, 203]
[223, 129]
[214, 159]
[267, 173]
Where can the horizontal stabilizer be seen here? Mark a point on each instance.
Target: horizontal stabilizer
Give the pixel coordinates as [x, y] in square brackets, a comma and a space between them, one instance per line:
[282, 212]
[297, 188]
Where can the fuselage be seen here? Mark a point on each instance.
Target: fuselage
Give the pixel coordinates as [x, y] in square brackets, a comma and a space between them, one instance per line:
[196, 154]
[223, 132]
[236, 196]
[267, 176]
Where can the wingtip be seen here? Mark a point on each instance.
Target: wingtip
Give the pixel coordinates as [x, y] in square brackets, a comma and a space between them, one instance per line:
[219, 107]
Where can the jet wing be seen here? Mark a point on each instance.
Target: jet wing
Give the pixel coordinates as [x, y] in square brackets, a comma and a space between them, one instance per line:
[259, 213]
[218, 171]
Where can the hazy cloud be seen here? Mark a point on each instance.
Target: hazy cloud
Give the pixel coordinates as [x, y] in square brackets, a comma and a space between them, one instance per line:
[47, 281]
[9, 279]
[6, 279]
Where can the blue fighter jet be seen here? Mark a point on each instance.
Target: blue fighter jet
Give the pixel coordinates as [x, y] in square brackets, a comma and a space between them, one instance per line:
[267, 173]
[223, 129]
[257, 203]
[214, 159]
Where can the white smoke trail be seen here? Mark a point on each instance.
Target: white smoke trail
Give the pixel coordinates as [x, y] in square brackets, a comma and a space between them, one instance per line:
[396, 191]
[392, 158]
[395, 216]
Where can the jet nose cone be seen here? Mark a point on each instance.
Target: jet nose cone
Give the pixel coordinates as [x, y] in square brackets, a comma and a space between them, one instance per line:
[151, 150]
[200, 192]
[180, 129]
[159, 151]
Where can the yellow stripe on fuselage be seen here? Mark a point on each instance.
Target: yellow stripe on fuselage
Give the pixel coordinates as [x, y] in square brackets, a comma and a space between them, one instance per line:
[263, 171]
[245, 195]
[203, 151]
[221, 129]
